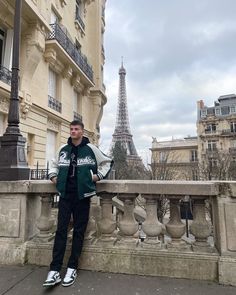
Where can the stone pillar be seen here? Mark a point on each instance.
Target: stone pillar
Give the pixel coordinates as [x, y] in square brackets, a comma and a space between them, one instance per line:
[107, 224]
[45, 223]
[200, 228]
[151, 226]
[175, 227]
[128, 226]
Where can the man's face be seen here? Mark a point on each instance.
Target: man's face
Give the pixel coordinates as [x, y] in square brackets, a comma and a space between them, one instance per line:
[76, 132]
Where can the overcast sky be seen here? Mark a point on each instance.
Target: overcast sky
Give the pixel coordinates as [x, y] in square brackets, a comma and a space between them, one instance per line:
[175, 53]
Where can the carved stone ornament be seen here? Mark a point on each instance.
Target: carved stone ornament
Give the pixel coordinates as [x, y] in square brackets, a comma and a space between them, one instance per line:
[67, 72]
[25, 105]
[50, 56]
[75, 81]
[53, 125]
[4, 104]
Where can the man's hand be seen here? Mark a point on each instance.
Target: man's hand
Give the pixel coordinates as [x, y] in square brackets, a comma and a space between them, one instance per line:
[54, 180]
[95, 178]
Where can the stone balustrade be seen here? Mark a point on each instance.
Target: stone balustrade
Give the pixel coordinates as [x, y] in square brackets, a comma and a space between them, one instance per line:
[113, 239]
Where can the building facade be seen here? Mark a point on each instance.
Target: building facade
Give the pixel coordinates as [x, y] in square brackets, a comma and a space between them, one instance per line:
[61, 71]
[176, 159]
[216, 129]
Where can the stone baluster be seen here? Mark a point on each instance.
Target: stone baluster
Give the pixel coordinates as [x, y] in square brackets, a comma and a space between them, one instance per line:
[151, 226]
[45, 221]
[91, 230]
[128, 226]
[107, 224]
[175, 227]
[200, 227]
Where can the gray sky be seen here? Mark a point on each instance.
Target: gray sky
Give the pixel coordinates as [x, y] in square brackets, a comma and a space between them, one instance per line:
[175, 53]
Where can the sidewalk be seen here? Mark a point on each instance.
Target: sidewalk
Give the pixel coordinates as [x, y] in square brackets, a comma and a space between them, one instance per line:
[28, 280]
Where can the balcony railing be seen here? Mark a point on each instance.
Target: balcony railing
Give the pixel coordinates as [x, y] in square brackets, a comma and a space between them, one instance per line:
[5, 75]
[124, 237]
[228, 131]
[62, 38]
[78, 117]
[54, 104]
[78, 18]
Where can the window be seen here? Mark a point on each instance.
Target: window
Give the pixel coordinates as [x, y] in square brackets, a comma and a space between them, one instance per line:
[195, 175]
[232, 109]
[54, 18]
[233, 126]
[50, 146]
[217, 111]
[77, 106]
[162, 157]
[211, 128]
[2, 45]
[79, 13]
[53, 101]
[233, 143]
[193, 156]
[203, 113]
[6, 41]
[52, 84]
[212, 145]
[78, 8]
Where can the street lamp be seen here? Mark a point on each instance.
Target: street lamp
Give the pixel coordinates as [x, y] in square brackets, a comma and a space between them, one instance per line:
[13, 165]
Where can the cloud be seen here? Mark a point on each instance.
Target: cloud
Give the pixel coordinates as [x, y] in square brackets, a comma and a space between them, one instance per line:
[175, 53]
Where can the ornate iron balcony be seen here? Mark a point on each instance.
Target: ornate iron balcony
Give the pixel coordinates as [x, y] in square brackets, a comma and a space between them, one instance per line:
[62, 38]
[5, 75]
[78, 117]
[78, 18]
[54, 104]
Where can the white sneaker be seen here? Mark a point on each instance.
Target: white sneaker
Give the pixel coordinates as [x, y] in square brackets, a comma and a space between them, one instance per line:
[70, 277]
[53, 278]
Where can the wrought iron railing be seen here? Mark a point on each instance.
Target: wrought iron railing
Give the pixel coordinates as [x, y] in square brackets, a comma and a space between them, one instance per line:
[62, 38]
[5, 75]
[39, 173]
[78, 18]
[54, 104]
[78, 117]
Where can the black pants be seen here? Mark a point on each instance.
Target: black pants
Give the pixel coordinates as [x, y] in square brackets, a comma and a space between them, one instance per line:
[80, 212]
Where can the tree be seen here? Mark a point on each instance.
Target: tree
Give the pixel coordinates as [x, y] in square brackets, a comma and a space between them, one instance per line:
[219, 165]
[119, 154]
[126, 168]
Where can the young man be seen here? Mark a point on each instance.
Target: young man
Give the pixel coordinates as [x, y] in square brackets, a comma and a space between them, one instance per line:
[75, 170]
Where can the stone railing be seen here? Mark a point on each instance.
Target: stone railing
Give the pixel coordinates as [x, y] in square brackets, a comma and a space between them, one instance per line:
[113, 240]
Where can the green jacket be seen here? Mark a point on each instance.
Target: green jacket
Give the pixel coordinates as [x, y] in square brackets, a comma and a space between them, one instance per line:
[90, 161]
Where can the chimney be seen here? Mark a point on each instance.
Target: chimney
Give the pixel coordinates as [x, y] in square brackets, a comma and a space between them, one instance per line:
[200, 104]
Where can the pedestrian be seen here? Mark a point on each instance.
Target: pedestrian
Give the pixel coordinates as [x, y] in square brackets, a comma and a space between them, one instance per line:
[76, 168]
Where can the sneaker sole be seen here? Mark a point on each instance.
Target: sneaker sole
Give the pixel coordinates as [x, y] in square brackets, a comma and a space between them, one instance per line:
[68, 284]
[51, 284]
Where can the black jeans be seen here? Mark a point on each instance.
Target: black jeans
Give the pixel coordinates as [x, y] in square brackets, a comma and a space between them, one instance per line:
[80, 212]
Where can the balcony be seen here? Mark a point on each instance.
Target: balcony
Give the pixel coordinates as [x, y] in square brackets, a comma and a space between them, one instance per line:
[228, 132]
[78, 117]
[124, 238]
[69, 47]
[5, 75]
[54, 104]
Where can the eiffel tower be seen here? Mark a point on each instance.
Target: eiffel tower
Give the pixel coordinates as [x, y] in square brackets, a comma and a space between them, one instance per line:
[122, 131]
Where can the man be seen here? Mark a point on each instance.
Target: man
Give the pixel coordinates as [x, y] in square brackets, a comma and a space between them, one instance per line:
[75, 170]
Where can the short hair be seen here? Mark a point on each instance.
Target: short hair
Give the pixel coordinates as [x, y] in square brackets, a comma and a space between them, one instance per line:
[77, 122]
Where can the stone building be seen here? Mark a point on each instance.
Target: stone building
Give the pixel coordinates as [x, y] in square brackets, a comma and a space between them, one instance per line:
[216, 129]
[176, 159]
[61, 71]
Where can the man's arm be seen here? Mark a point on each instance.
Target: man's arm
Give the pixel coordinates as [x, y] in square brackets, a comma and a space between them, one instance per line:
[104, 163]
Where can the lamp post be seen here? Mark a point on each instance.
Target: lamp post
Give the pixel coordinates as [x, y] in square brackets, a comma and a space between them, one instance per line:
[13, 165]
